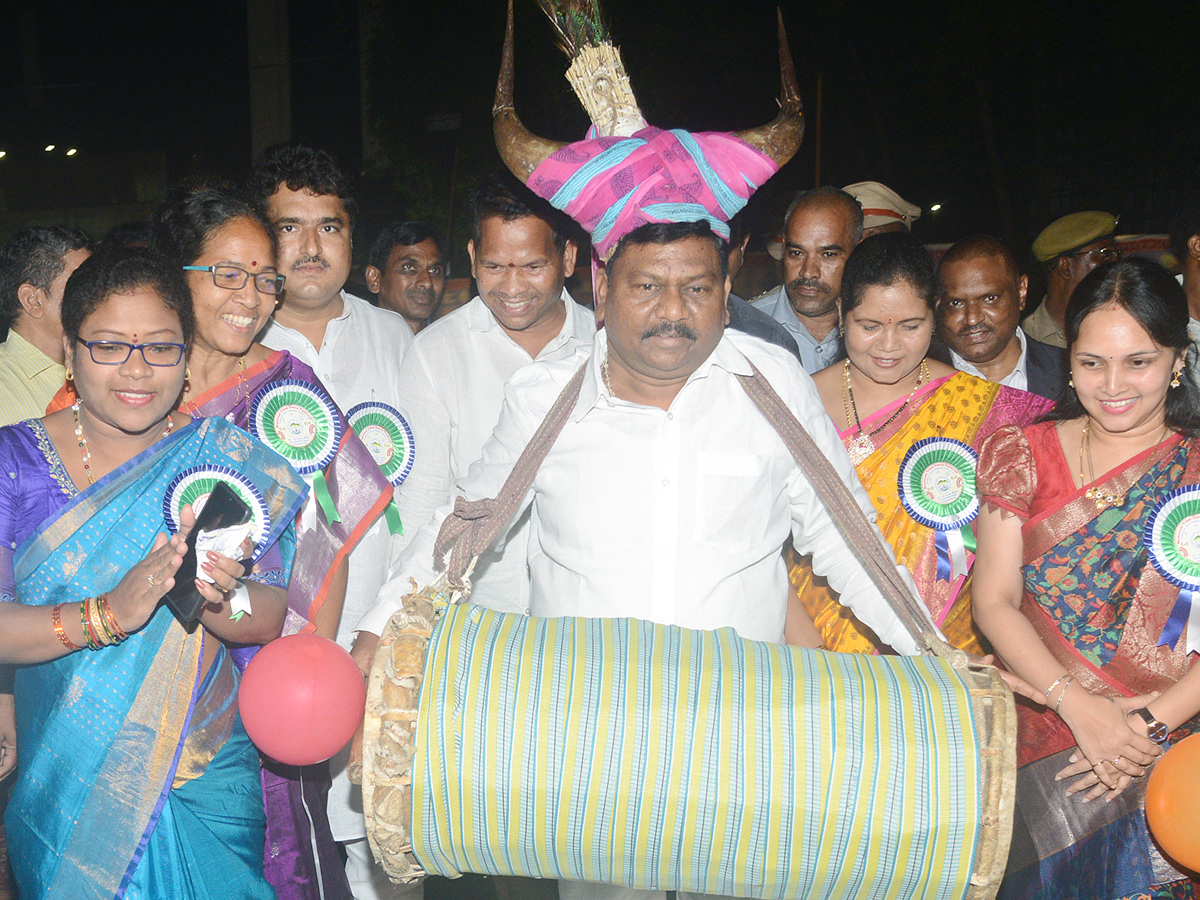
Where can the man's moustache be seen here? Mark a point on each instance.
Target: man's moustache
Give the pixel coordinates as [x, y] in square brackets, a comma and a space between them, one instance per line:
[672, 329]
[802, 283]
[308, 261]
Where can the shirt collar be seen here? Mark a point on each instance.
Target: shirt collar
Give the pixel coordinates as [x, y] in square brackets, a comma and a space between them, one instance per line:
[963, 366]
[593, 392]
[786, 316]
[30, 359]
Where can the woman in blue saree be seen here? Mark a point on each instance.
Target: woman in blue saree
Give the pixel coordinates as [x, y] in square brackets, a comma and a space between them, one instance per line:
[137, 778]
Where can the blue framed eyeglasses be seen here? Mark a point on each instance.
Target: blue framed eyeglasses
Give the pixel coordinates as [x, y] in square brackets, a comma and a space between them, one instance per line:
[117, 353]
[234, 278]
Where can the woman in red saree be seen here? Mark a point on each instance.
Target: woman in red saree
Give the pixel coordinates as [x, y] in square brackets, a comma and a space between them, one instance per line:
[1072, 590]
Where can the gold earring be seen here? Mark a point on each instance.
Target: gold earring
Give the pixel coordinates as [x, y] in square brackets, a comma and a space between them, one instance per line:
[1175, 380]
[187, 373]
[1071, 382]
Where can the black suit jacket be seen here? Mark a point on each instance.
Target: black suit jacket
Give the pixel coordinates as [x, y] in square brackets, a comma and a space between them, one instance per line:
[1045, 367]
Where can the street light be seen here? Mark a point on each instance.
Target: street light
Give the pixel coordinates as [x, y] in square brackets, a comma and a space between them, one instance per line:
[935, 207]
[72, 152]
[49, 147]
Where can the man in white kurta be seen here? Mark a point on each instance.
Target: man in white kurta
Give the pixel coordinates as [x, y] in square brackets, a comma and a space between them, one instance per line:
[356, 349]
[452, 385]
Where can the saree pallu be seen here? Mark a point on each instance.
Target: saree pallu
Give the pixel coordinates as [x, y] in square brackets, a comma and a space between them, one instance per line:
[961, 407]
[659, 757]
[1099, 605]
[359, 490]
[301, 857]
[106, 735]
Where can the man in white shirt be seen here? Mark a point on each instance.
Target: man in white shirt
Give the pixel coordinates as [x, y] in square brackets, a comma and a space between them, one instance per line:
[668, 494]
[822, 226]
[356, 349]
[452, 383]
[981, 295]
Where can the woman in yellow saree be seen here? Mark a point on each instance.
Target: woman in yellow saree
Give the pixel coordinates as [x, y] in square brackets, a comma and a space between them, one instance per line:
[898, 409]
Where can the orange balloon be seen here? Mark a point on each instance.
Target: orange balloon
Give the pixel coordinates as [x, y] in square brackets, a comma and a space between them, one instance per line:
[1173, 802]
[301, 699]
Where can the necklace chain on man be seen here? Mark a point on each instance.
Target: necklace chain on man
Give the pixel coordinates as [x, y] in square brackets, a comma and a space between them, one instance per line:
[862, 446]
[85, 451]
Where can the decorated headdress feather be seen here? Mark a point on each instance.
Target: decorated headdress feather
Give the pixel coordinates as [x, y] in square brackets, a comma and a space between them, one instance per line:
[627, 173]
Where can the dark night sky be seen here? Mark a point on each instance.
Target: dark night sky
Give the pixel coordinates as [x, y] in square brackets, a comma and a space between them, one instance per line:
[1085, 106]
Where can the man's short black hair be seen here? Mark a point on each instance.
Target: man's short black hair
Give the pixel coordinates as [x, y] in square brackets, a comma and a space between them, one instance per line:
[1185, 226]
[669, 233]
[828, 192]
[401, 234]
[981, 245]
[34, 256]
[301, 168]
[501, 196]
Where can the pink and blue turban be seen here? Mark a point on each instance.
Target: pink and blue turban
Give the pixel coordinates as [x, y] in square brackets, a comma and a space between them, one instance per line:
[612, 185]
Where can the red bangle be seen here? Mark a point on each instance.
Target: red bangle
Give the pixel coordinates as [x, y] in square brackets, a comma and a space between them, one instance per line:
[62, 632]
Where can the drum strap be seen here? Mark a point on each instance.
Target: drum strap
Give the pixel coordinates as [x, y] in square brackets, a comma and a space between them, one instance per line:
[475, 524]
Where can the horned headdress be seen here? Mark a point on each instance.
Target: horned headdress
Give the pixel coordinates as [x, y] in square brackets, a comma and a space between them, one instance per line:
[627, 173]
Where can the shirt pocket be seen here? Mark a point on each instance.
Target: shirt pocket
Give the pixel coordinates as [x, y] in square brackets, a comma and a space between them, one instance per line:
[733, 500]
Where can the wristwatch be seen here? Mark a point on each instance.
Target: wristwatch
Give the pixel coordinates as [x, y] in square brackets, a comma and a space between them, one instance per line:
[1157, 731]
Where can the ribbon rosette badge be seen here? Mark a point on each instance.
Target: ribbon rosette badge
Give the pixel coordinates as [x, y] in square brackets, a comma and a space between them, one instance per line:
[298, 421]
[195, 484]
[937, 488]
[1172, 539]
[389, 439]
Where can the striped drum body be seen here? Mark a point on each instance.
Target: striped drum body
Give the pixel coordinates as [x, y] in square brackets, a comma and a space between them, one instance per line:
[625, 752]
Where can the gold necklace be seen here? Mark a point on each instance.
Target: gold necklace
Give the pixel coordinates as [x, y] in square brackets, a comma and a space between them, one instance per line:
[189, 406]
[1102, 498]
[85, 452]
[862, 446]
[604, 374]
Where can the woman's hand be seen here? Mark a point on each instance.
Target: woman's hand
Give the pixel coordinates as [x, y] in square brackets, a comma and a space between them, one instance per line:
[1090, 780]
[134, 600]
[8, 735]
[1114, 750]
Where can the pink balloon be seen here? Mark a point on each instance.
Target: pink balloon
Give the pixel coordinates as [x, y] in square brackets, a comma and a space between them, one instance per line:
[301, 699]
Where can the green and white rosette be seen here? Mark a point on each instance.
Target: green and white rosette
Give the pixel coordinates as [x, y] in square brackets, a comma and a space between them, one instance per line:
[389, 439]
[301, 423]
[1172, 539]
[937, 488]
[195, 484]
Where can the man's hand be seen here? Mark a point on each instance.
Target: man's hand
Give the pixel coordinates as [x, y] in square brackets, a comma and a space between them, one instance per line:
[363, 655]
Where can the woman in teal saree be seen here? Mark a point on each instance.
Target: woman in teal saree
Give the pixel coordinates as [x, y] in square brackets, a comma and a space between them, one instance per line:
[136, 777]
[1076, 593]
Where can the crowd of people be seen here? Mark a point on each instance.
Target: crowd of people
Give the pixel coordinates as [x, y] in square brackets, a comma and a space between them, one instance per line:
[667, 496]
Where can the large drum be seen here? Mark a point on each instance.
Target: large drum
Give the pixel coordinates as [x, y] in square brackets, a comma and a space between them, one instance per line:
[657, 757]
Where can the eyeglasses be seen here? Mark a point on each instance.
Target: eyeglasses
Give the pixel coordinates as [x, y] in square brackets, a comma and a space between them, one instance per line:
[234, 278]
[117, 353]
[1106, 254]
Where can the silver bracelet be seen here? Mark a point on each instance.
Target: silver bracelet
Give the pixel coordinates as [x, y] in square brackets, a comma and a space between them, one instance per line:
[1068, 684]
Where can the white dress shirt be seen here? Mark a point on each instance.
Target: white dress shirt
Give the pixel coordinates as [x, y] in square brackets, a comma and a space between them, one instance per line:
[1018, 378]
[452, 390]
[359, 360]
[676, 516]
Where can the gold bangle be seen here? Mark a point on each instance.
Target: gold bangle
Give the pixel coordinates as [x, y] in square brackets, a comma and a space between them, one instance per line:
[97, 622]
[1066, 686]
[89, 636]
[110, 619]
[61, 632]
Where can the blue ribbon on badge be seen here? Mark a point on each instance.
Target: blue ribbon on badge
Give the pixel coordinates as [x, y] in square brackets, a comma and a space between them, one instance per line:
[1172, 540]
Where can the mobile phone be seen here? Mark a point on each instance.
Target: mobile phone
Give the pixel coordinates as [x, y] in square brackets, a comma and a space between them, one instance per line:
[223, 509]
